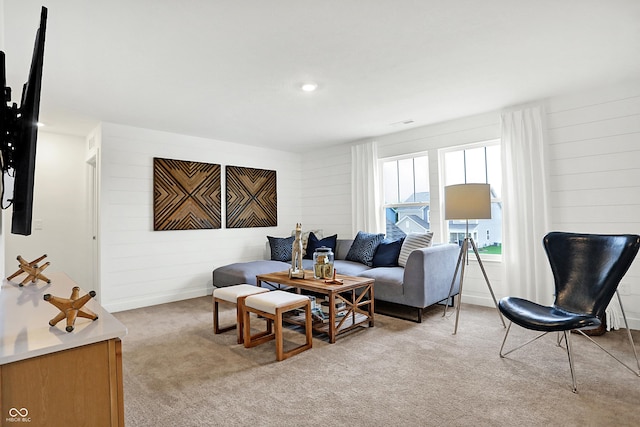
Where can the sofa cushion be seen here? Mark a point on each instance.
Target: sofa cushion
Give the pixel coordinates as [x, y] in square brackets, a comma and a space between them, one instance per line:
[388, 281]
[314, 243]
[349, 268]
[246, 272]
[281, 248]
[387, 253]
[412, 242]
[364, 247]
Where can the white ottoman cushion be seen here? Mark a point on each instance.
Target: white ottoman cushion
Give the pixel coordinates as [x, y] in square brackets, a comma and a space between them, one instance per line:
[268, 302]
[232, 293]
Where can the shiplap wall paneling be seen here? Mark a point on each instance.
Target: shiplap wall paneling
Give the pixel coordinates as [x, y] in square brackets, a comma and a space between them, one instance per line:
[140, 267]
[594, 156]
[326, 191]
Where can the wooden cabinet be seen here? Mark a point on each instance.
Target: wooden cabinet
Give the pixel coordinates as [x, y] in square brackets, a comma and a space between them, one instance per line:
[50, 377]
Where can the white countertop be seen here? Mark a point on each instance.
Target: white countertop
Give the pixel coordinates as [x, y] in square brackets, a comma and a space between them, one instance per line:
[25, 316]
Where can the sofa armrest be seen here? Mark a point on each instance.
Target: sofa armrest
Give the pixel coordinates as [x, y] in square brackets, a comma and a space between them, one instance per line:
[428, 274]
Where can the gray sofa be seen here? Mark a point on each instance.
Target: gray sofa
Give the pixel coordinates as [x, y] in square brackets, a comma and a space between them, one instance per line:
[425, 280]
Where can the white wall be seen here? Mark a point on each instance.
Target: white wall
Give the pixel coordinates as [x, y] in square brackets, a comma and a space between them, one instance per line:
[326, 194]
[141, 267]
[59, 205]
[594, 150]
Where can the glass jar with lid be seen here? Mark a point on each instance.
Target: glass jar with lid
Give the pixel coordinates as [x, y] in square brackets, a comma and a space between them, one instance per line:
[323, 263]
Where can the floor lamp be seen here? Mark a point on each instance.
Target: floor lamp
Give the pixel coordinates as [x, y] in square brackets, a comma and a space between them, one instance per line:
[465, 202]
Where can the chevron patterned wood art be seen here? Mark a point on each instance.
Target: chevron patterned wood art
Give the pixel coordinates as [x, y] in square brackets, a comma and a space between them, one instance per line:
[186, 195]
[252, 199]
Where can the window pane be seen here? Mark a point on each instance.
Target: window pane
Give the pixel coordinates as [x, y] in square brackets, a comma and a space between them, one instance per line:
[487, 233]
[390, 179]
[475, 164]
[494, 170]
[454, 167]
[404, 220]
[405, 172]
[421, 168]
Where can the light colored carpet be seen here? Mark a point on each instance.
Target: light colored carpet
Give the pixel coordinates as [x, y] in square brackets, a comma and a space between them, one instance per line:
[178, 373]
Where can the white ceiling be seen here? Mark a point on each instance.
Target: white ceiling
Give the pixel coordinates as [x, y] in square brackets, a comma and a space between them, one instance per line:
[231, 70]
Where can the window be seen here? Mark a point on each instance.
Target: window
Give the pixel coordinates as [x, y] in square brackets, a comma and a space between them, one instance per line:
[478, 163]
[406, 195]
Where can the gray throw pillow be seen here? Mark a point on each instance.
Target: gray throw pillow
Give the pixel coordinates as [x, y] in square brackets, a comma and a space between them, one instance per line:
[412, 242]
[281, 248]
[364, 248]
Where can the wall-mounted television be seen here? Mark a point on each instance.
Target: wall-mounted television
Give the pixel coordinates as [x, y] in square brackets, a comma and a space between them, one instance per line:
[19, 134]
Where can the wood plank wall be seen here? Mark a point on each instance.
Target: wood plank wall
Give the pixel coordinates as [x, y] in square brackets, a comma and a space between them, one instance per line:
[594, 152]
[141, 267]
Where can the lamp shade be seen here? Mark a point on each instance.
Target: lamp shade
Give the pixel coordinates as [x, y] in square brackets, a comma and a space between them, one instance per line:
[467, 201]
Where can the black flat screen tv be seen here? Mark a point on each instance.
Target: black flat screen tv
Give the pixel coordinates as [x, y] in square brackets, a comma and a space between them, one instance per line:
[19, 133]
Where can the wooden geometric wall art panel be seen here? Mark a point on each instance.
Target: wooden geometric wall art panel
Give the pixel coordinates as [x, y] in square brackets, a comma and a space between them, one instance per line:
[252, 200]
[186, 195]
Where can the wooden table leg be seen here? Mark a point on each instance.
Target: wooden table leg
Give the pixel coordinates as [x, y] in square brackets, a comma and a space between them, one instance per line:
[371, 311]
[332, 317]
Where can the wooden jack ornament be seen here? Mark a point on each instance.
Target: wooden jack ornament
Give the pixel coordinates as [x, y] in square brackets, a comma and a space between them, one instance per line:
[71, 308]
[34, 272]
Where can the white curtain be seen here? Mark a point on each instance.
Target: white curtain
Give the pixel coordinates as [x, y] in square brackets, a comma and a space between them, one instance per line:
[526, 205]
[364, 188]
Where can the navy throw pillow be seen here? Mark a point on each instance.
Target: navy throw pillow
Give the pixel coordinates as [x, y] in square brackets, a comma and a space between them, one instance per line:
[364, 247]
[387, 253]
[314, 243]
[281, 248]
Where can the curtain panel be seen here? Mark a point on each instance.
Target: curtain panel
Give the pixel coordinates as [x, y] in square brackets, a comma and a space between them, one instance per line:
[365, 206]
[526, 205]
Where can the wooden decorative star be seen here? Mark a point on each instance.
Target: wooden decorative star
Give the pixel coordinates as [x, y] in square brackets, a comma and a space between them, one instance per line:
[71, 308]
[34, 272]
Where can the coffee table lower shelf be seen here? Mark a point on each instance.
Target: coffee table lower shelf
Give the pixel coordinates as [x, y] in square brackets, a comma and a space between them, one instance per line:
[343, 324]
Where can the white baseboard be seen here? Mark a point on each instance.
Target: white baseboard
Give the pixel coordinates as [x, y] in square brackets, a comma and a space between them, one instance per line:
[150, 300]
[634, 323]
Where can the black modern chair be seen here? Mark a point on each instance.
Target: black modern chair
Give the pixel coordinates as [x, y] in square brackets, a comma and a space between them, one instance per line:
[587, 269]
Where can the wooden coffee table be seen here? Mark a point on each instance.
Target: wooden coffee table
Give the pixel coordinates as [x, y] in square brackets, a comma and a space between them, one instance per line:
[355, 292]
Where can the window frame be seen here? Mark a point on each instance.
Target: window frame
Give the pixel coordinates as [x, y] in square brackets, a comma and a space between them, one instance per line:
[442, 173]
[384, 206]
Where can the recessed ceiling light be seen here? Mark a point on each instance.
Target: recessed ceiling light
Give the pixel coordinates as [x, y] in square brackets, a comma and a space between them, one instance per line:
[309, 87]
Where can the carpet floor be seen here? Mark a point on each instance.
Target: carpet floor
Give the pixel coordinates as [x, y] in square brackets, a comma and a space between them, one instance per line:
[398, 373]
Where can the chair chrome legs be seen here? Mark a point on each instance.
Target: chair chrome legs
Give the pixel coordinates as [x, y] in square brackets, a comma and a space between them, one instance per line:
[520, 346]
[626, 325]
[633, 347]
[566, 336]
[567, 339]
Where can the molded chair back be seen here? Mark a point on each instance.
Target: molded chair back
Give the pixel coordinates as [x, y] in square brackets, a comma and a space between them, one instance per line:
[587, 268]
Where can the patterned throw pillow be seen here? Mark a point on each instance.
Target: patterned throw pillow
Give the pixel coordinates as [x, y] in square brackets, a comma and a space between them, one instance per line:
[314, 243]
[364, 248]
[412, 242]
[281, 248]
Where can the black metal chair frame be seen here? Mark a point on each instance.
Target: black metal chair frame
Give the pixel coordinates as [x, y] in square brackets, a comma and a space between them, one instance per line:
[596, 292]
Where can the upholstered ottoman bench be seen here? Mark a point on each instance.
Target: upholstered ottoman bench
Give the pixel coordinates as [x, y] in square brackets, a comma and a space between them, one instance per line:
[232, 294]
[272, 305]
